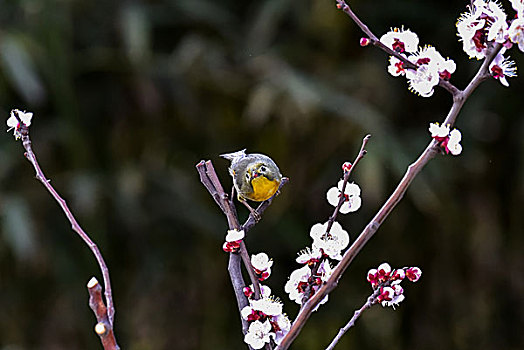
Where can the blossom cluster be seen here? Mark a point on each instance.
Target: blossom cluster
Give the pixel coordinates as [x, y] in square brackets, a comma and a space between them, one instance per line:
[449, 140]
[14, 124]
[265, 315]
[486, 23]
[266, 322]
[431, 65]
[329, 241]
[386, 283]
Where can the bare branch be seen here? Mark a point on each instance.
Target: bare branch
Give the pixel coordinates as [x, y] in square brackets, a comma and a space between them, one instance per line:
[372, 300]
[109, 311]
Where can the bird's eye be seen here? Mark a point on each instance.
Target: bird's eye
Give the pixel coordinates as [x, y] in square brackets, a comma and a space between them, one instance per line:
[262, 169]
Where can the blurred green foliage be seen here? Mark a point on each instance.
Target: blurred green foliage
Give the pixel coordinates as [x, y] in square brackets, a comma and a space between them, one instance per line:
[129, 95]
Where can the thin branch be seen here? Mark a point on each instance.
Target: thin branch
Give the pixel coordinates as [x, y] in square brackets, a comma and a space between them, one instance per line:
[31, 156]
[347, 174]
[333, 217]
[412, 171]
[342, 5]
[372, 300]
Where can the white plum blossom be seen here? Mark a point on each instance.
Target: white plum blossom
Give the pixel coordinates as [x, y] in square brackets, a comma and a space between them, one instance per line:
[485, 22]
[266, 320]
[516, 32]
[265, 291]
[301, 281]
[386, 294]
[309, 256]
[331, 243]
[12, 121]
[324, 270]
[423, 79]
[502, 67]
[431, 65]
[396, 67]
[258, 334]
[445, 66]
[470, 30]
[454, 146]
[296, 283]
[261, 262]
[234, 235]
[233, 241]
[450, 141]
[269, 306]
[400, 40]
[518, 5]
[352, 200]
[246, 312]
[396, 298]
[283, 325]
[438, 131]
[498, 31]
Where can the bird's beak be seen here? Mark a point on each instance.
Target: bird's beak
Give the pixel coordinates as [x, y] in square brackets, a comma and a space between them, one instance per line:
[256, 174]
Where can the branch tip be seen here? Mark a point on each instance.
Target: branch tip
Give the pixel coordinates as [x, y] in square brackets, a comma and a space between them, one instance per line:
[92, 283]
[100, 329]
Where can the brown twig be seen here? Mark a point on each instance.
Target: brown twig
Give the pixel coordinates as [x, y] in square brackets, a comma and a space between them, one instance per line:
[30, 155]
[103, 328]
[459, 97]
[372, 300]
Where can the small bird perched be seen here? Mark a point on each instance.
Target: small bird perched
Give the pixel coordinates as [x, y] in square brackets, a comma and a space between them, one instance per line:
[255, 177]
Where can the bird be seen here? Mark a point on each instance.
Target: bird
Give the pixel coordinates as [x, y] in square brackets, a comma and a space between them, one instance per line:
[256, 177]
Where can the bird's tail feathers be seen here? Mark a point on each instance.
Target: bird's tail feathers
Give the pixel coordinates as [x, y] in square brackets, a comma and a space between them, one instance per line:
[234, 155]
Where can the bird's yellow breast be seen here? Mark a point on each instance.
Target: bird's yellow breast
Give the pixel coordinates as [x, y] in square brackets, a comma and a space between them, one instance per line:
[263, 188]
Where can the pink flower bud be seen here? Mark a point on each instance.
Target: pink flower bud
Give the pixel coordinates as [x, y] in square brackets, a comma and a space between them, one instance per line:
[398, 275]
[231, 247]
[372, 277]
[364, 42]
[386, 294]
[413, 274]
[248, 292]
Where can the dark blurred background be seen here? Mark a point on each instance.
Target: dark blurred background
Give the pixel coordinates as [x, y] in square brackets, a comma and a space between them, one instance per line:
[129, 95]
